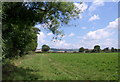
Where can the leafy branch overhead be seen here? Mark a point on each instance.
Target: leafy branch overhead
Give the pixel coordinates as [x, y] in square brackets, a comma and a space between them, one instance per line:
[19, 19]
[52, 14]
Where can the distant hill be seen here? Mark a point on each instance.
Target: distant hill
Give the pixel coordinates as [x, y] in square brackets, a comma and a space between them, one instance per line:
[55, 49]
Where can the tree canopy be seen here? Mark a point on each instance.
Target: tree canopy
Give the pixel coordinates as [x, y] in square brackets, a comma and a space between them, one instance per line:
[81, 49]
[45, 48]
[112, 49]
[97, 48]
[19, 18]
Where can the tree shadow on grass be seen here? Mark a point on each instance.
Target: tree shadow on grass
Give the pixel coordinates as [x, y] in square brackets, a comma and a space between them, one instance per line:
[12, 72]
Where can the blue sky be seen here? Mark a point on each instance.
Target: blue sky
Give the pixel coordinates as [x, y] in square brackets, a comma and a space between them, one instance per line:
[97, 25]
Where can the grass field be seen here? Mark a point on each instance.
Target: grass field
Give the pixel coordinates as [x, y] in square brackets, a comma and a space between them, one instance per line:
[66, 66]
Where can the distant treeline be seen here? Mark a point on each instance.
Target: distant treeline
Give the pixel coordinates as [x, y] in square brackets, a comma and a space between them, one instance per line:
[96, 49]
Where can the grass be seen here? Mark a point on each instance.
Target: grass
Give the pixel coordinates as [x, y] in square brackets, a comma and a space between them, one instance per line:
[66, 66]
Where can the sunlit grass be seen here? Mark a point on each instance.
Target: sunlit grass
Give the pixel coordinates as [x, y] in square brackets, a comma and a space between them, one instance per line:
[67, 66]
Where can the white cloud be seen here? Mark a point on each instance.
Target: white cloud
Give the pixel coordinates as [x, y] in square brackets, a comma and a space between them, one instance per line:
[114, 24]
[94, 17]
[98, 34]
[109, 30]
[81, 7]
[102, 36]
[41, 37]
[95, 4]
[87, 27]
[110, 43]
[98, 2]
[50, 34]
[107, 42]
[61, 44]
[71, 35]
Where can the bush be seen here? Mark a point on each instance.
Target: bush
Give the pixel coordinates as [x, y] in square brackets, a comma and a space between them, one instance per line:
[81, 49]
[97, 48]
[45, 48]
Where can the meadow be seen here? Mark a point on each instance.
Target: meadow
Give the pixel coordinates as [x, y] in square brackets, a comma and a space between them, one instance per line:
[66, 66]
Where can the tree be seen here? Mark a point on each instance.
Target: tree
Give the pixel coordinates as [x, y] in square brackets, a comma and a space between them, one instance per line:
[87, 51]
[116, 50]
[97, 48]
[106, 49]
[81, 49]
[45, 48]
[112, 49]
[18, 19]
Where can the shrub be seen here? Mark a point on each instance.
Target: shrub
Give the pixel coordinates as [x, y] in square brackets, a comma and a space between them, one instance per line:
[45, 48]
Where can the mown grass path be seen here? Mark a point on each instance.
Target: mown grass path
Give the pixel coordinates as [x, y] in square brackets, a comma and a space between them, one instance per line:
[68, 66]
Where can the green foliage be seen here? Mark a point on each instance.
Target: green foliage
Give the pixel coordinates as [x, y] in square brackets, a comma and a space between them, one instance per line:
[81, 49]
[115, 50]
[112, 49]
[45, 48]
[96, 49]
[106, 50]
[0, 31]
[18, 19]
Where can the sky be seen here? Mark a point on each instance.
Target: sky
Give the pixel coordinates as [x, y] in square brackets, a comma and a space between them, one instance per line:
[97, 25]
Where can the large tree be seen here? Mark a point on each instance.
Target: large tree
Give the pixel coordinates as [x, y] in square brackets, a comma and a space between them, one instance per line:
[97, 48]
[18, 19]
[112, 49]
[81, 49]
[45, 48]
